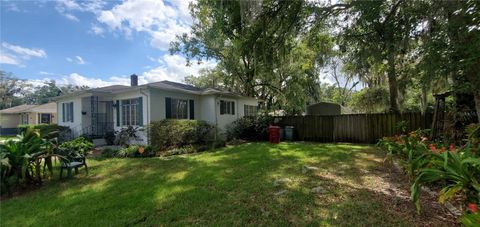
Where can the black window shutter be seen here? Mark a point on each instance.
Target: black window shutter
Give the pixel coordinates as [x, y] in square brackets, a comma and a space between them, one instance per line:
[192, 109]
[168, 107]
[63, 112]
[222, 107]
[233, 108]
[71, 106]
[140, 111]
[118, 112]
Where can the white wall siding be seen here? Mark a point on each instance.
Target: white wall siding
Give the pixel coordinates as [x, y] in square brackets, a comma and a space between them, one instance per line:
[76, 125]
[142, 133]
[207, 108]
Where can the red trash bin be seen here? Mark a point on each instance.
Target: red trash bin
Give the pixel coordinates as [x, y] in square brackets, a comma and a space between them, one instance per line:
[274, 134]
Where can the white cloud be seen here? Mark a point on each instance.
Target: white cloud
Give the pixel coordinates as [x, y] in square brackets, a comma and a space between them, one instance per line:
[79, 60]
[174, 68]
[97, 30]
[8, 59]
[161, 21]
[25, 53]
[66, 7]
[71, 17]
[15, 55]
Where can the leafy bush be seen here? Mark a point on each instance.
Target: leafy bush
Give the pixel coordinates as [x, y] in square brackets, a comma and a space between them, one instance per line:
[124, 135]
[249, 128]
[110, 138]
[80, 145]
[188, 149]
[109, 153]
[24, 160]
[130, 151]
[45, 129]
[455, 169]
[169, 133]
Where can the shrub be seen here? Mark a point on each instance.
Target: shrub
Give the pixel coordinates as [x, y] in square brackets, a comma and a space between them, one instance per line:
[24, 160]
[45, 129]
[188, 149]
[110, 138]
[167, 134]
[249, 128]
[455, 169]
[130, 151]
[124, 135]
[109, 153]
[80, 145]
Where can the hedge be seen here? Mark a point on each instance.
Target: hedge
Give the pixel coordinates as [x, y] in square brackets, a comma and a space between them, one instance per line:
[173, 133]
[249, 128]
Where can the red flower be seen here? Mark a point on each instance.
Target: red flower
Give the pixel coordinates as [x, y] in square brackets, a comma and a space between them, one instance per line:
[473, 207]
[452, 147]
[432, 148]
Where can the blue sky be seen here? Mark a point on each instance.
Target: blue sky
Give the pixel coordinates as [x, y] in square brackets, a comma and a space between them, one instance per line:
[94, 43]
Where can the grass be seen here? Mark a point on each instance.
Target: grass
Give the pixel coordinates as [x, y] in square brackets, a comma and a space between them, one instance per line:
[233, 186]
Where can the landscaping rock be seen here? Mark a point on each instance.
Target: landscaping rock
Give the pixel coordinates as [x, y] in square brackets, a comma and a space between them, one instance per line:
[306, 169]
[453, 209]
[318, 190]
[281, 181]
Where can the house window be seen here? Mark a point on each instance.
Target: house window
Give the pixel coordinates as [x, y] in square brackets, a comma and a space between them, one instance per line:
[130, 109]
[179, 109]
[25, 119]
[250, 110]
[44, 118]
[67, 112]
[227, 107]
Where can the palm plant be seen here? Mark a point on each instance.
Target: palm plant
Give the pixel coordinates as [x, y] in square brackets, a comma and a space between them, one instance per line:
[21, 159]
[459, 170]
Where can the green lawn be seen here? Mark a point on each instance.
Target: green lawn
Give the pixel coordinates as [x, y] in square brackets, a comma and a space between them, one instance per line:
[233, 186]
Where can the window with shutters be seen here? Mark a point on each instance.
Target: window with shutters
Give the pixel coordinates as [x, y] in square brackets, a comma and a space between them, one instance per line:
[130, 112]
[250, 110]
[227, 107]
[67, 112]
[179, 109]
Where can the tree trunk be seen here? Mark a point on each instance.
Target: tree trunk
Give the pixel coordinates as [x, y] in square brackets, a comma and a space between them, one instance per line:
[476, 96]
[424, 100]
[392, 81]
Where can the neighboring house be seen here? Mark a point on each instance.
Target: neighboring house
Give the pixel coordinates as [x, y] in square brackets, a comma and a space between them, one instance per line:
[26, 114]
[100, 110]
[327, 108]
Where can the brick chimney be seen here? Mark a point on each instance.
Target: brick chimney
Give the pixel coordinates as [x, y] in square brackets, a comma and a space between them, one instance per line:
[133, 80]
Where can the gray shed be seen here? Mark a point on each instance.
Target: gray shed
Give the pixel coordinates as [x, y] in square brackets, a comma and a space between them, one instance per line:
[327, 108]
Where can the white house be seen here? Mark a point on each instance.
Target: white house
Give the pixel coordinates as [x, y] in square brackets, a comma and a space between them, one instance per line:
[100, 110]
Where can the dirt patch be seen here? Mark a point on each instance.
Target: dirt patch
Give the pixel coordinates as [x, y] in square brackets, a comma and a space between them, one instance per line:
[395, 184]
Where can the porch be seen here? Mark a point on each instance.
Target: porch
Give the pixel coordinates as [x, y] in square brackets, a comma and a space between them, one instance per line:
[97, 116]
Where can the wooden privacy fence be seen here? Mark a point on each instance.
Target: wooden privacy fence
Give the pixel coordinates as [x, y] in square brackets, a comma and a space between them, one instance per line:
[358, 128]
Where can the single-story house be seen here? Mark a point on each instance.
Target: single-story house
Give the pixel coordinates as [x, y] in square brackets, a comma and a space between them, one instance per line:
[26, 114]
[100, 110]
[327, 108]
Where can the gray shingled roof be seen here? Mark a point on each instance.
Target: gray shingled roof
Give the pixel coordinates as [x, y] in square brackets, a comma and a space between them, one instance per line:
[17, 109]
